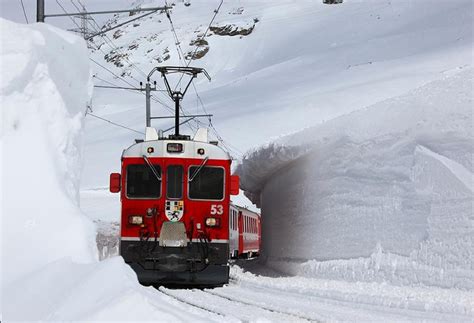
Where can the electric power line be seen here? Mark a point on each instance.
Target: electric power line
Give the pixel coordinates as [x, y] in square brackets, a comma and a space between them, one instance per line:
[111, 44]
[216, 11]
[181, 54]
[176, 39]
[116, 48]
[24, 11]
[65, 11]
[113, 123]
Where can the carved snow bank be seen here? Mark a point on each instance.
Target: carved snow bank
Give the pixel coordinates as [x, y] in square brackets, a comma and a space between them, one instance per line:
[397, 176]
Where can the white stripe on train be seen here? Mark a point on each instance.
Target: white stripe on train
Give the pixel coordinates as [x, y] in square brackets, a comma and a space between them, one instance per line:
[153, 239]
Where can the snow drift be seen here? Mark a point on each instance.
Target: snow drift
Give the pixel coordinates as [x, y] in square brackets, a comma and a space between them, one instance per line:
[49, 258]
[44, 98]
[382, 194]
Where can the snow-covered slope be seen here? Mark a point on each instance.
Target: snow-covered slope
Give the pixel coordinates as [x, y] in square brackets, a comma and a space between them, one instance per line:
[302, 63]
[48, 258]
[385, 193]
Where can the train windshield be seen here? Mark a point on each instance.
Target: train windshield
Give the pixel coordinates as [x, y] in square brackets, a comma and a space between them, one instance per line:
[142, 183]
[207, 183]
[174, 182]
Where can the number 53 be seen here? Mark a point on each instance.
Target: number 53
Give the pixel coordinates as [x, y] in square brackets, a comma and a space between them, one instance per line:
[217, 209]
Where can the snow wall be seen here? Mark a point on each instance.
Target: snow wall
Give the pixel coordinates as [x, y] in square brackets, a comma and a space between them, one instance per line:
[381, 194]
[48, 258]
[44, 98]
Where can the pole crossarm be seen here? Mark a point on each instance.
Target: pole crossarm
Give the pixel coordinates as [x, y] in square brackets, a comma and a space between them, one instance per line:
[186, 116]
[118, 87]
[105, 12]
[181, 123]
[119, 25]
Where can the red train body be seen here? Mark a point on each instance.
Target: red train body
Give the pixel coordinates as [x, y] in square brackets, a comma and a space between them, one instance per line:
[175, 198]
[245, 232]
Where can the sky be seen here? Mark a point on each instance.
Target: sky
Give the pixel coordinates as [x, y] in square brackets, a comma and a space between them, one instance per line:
[12, 10]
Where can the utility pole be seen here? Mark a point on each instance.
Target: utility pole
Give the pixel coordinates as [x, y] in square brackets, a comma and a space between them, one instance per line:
[148, 90]
[39, 10]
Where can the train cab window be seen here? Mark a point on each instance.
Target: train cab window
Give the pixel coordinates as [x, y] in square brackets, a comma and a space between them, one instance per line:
[174, 181]
[207, 183]
[142, 183]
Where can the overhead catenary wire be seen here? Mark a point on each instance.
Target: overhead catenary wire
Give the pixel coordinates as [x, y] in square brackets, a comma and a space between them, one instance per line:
[113, 123]
[24, 11]
[107, 40]
[176, 39]
[65, 11]
[111, 72]
[116, 48]
[216, 11]
[182, 58]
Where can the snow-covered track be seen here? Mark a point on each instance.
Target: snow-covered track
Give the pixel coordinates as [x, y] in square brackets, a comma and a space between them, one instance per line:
[167, 293]
[235, 309]
[263, 307]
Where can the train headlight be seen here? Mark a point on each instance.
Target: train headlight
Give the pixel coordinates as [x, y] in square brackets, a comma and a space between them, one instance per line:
[135, 219]
[213, 222]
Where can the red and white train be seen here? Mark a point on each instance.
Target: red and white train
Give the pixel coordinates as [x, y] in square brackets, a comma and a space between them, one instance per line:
[177, 222]
[244, 232]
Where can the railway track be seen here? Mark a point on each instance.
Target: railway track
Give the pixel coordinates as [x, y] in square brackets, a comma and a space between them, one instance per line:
[266, 308]
[230, 307]
[167, 293]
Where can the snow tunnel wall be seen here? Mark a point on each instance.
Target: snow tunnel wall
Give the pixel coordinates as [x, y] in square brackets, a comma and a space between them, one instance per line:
[44, 90]
[381, 194]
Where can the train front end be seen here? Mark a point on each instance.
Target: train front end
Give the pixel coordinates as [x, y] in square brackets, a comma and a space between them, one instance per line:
[175, 195]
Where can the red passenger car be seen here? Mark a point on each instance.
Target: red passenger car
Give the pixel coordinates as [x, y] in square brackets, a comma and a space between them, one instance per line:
[175, 195]
[245, 232]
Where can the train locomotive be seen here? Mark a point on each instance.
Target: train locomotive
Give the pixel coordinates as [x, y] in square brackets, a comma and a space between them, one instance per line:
[177, 221]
